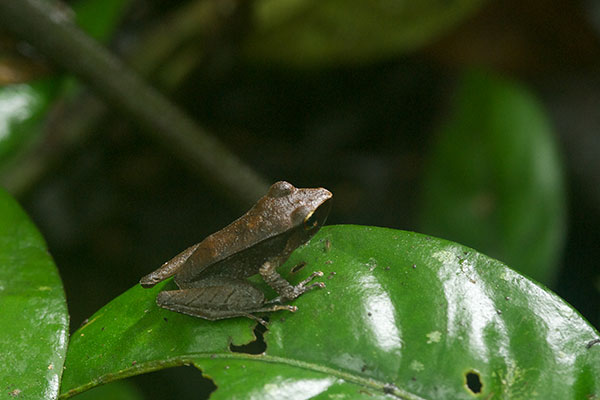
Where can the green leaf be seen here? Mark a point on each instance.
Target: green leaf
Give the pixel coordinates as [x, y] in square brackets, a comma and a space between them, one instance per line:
[402, 314]
[495, 181]
[318, 33]
[119, 390]
[271, 378]
[33, 311]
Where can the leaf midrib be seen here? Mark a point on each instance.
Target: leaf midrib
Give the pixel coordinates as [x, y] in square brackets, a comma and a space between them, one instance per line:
[193, 358]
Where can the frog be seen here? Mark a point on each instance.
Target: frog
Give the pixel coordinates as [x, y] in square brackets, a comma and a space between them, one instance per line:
[212, 275]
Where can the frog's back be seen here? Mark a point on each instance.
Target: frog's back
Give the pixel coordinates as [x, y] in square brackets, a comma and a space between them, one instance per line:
[237, 250]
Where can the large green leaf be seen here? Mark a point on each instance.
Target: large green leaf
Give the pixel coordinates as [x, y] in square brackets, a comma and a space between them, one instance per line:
[495, 181]
[317, 33]
[33, 311]
[403, 314]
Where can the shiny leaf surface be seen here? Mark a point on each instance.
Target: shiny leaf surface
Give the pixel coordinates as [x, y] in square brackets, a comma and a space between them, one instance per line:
[317, 33]
[495, 179]
[132, 335]
[403, 314]
[247, 379]
[33, 310]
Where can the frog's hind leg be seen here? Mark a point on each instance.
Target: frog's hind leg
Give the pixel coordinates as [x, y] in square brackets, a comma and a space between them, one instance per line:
[219, 299]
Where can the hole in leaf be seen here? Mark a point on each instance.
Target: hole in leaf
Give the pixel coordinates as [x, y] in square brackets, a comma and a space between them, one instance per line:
[298, 267]
[473, 381]
[174, 383]
[257, 346]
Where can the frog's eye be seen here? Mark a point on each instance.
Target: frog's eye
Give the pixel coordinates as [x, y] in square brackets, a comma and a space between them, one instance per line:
[280, 189]
[311, 221]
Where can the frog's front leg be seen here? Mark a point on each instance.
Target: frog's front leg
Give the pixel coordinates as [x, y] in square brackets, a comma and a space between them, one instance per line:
[286, 291]
[218, 298]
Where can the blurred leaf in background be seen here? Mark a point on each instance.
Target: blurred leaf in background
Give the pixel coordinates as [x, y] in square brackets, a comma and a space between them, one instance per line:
[22, 108]
[25, 105]
[310, 33]
[494, 179]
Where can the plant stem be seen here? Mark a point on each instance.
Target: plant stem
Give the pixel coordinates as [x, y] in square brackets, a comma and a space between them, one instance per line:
[47, 29]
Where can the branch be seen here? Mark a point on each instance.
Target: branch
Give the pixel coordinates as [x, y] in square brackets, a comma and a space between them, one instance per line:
[46, 28]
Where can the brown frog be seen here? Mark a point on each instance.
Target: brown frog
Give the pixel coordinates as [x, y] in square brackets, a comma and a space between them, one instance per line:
[211, 275]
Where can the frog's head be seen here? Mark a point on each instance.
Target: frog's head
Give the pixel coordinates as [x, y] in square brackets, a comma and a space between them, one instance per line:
[303, 210]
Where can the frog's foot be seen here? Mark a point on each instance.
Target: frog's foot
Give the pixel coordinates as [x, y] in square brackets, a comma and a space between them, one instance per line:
[303, 287]
[286, 291]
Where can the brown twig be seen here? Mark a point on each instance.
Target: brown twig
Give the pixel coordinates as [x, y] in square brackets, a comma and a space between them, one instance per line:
[37, 22]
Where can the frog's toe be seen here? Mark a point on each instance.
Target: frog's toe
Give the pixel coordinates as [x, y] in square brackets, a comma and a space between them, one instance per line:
[310, 278]
[314, 286]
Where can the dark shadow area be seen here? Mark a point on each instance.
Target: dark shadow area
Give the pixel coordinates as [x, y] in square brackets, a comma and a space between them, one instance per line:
[257, 346]
[175, 383]
[473, 382]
